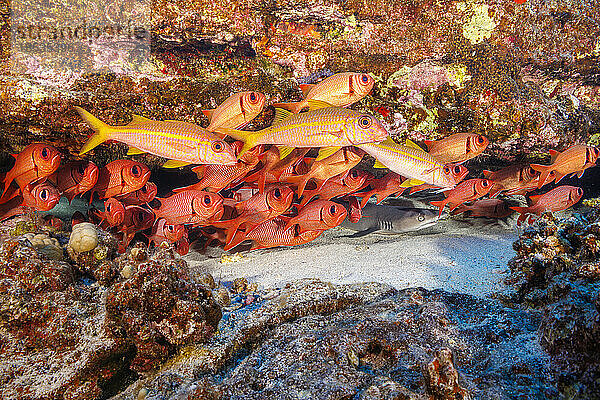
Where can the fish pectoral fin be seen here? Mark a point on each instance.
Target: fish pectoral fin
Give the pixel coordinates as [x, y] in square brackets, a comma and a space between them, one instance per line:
[284, 151]
[363, 233]
[133, 151]
[138, 119]
[281, 115]
[317, 104]
[338, 134]
[175, 164]
[325, 152]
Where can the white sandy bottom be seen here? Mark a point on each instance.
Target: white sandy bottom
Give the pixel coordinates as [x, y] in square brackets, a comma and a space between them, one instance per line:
[467, 258]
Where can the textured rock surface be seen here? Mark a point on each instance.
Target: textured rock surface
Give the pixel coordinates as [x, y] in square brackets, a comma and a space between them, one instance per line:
[557, 271]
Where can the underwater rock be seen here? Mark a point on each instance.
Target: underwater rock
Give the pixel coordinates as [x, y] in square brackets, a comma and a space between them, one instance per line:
[42, 242]
[366, 341]
[556, 271]
[93, 251]
[84, 237]
[158, 309]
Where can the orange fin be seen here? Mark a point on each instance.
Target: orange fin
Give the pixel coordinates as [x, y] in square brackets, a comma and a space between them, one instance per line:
[487, 173]
[305, 87]
[553, 155]
[208, 113]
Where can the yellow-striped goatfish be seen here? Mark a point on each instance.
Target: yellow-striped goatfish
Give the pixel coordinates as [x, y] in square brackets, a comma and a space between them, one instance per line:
[339, 90]
[324, 126]
[415, 164]
[181, 142]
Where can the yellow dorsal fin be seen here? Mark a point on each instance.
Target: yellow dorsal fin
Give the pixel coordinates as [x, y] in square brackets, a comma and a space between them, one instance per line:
[138, 119]
[411, 183]
[281, 115]
[317, 104]
[133, 151]
[378, 164]
[175, 164]
[284, 151]
[412, 144]
[325, 152]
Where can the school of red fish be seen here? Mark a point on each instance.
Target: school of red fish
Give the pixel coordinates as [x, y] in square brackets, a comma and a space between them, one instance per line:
[261, 186]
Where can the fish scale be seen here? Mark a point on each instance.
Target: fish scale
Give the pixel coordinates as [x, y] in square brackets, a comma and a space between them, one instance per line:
[274, 233]
[179, 208]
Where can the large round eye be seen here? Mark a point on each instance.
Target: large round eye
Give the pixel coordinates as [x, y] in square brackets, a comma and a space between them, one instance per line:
[446, 170]
[579, 192]
[421, 218]
[277, 193]
[170, 228]
[484, 183]
[207, 200]
[480, 139]
[332, 210]
[253, 97]
[531, 171]
[365, 122]
[354, 174]
[136, 171]
[218, 147]
[457, 169]
[44, 194]
[108, 207]
[45, 153]
[364, 78]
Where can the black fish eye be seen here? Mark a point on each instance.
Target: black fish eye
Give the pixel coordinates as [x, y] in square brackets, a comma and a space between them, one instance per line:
[45, 153]
[531, 171]
[252, 97]
[332, 210]
[484, 183]
[108, 207]
[579, 191]
[354, 174]
[421, 218]
[456, 169]
[135, 170]
[218, 146]
[364, 122]
[170, 228]
[277, 193]
[364, 78]
[207, 200]
[446, 170]
[480, 139]
[44, 194]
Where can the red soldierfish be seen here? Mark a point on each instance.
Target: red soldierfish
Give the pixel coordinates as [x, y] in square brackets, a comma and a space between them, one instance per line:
[489, 208]
[196, 207]
[163, 232]
[217, 177]
[386, 186]
[457, 148]
[273, 233]
[119, 178]
[513, 179]
[355, 209]
[273, 202]
[76, 178]
[339, 90]
[181, 142]
[576, 159]
[141, 196]
[236, 111]
[136, 219]
[557, 199]
[327, 166]
[114, 212]
[318, 215]
[465, 191]
[338, 186]
[35, 162]
[41, 196]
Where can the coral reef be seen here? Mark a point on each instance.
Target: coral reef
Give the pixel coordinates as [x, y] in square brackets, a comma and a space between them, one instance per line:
[557, 270]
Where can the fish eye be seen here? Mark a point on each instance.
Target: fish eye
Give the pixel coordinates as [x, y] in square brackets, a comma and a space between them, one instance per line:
[277, 193]
[354, 174]
[81, 169]
[45, 153]
[136, 171]
[457, 169]
[364, 78]
[365, 122]
[207, 200]
[332, 210]
[218, 147]
[531, 171]
[421, 218]
[480, 139]
[253, 97]
[169, 228]
[484, 183]
[108, 207]
[446, 170]
[44, 194]
[579, 192]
